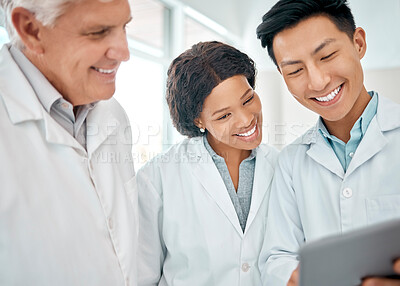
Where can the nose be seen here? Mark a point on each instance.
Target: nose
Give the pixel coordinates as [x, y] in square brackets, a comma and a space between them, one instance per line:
[244, 118]
[119, 48]
[318, 79]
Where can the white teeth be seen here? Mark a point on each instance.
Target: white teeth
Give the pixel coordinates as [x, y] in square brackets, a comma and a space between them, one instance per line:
[104, 70]
[330, 96]
[249, 132]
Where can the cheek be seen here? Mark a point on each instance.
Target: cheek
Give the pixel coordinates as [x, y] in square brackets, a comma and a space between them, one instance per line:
[294, 87]
[220, 131]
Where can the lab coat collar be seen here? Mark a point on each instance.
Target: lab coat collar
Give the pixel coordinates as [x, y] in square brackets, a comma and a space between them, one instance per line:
[101, 125]
[262, 180]
[19, 97]
[387, 118]
[372, 143]
[215, 187]
[207, 173]
[23, 105]
[388, 114]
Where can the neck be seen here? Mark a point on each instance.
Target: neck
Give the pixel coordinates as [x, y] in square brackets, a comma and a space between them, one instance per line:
[230, 154]
[341, 128]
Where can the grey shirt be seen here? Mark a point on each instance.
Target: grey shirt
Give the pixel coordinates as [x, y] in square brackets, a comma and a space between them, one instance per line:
[59, 109]
[242, 198]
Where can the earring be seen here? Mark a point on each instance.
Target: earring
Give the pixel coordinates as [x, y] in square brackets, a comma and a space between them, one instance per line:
[202, 130]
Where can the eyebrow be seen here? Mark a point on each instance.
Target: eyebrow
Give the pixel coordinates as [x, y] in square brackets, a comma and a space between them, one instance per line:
[225, 108]
[317, 49]
[323, 45]
[102, 26]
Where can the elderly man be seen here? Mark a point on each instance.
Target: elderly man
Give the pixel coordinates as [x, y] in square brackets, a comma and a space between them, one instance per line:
[67, 206]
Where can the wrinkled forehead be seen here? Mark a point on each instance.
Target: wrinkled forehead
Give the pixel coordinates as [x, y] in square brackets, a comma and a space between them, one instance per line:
[99, 10]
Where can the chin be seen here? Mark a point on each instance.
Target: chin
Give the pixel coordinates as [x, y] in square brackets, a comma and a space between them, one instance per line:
[104, 96]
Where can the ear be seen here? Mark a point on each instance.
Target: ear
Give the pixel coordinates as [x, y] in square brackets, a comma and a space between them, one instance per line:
[28, 29]
[198, 123]
[360, 43]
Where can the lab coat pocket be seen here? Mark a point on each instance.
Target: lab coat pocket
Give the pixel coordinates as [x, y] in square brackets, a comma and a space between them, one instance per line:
[383, 208]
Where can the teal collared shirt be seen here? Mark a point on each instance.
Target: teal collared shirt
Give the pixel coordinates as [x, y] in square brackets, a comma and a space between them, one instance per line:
[345, 151]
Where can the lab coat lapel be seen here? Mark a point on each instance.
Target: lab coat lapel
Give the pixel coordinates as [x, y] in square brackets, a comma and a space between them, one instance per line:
[262, 180]
[101, 126]
[205, 171]
[373, 142]
[321, 152]
[56, 134]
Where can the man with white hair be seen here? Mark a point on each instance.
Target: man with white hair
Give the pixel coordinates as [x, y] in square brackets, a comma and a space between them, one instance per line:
[67, 205]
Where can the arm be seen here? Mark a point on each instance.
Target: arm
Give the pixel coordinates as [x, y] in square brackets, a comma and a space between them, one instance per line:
[384, 281]
[151, 253]
[284, 234]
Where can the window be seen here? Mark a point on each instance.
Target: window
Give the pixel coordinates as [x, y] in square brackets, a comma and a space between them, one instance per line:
[159, 31]
[140, 89]
[196, 32]
[3, 36]
[147, 28]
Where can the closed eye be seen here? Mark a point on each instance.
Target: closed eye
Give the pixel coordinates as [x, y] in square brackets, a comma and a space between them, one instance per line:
[99, 33]
[224, 116]
[295, 72]
[328, 56]
[249, 99]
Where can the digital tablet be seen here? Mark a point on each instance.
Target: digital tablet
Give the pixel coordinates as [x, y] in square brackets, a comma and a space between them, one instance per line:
[343, 260]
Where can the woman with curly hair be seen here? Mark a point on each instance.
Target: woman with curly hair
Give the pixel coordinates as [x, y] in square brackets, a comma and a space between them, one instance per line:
[203, 203]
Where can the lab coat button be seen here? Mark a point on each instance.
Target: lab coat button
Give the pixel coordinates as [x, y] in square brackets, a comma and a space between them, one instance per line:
[347, 193]
[245, 267]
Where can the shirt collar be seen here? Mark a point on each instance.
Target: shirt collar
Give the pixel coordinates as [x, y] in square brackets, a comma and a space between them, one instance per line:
[362, 122]
[48, 96]
[215, 156]
[369, 112]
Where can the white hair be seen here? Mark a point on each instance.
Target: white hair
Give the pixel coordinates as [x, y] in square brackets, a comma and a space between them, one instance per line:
[45, 11]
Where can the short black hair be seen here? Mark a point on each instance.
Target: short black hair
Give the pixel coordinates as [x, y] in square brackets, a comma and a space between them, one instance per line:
[195, 73]
[288, 13]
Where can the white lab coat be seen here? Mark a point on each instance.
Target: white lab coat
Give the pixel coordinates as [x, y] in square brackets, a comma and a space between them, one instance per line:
[67, 215]
[312, 197]
[189, 230]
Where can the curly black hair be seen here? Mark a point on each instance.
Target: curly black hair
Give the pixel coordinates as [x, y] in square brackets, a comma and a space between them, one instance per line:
[195, 73]
[286, 14]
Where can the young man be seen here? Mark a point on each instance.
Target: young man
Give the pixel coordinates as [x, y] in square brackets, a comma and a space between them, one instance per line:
[341, 174]
[66, 215]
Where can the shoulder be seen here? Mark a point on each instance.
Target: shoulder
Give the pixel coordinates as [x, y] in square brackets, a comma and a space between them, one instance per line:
[267, 152]
[178, 155]
[112, 105]
[388, 114]
[296, 152]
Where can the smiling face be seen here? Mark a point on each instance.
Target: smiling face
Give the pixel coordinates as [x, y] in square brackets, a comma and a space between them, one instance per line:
[321, 67]
[232, 116]
[82, 52]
